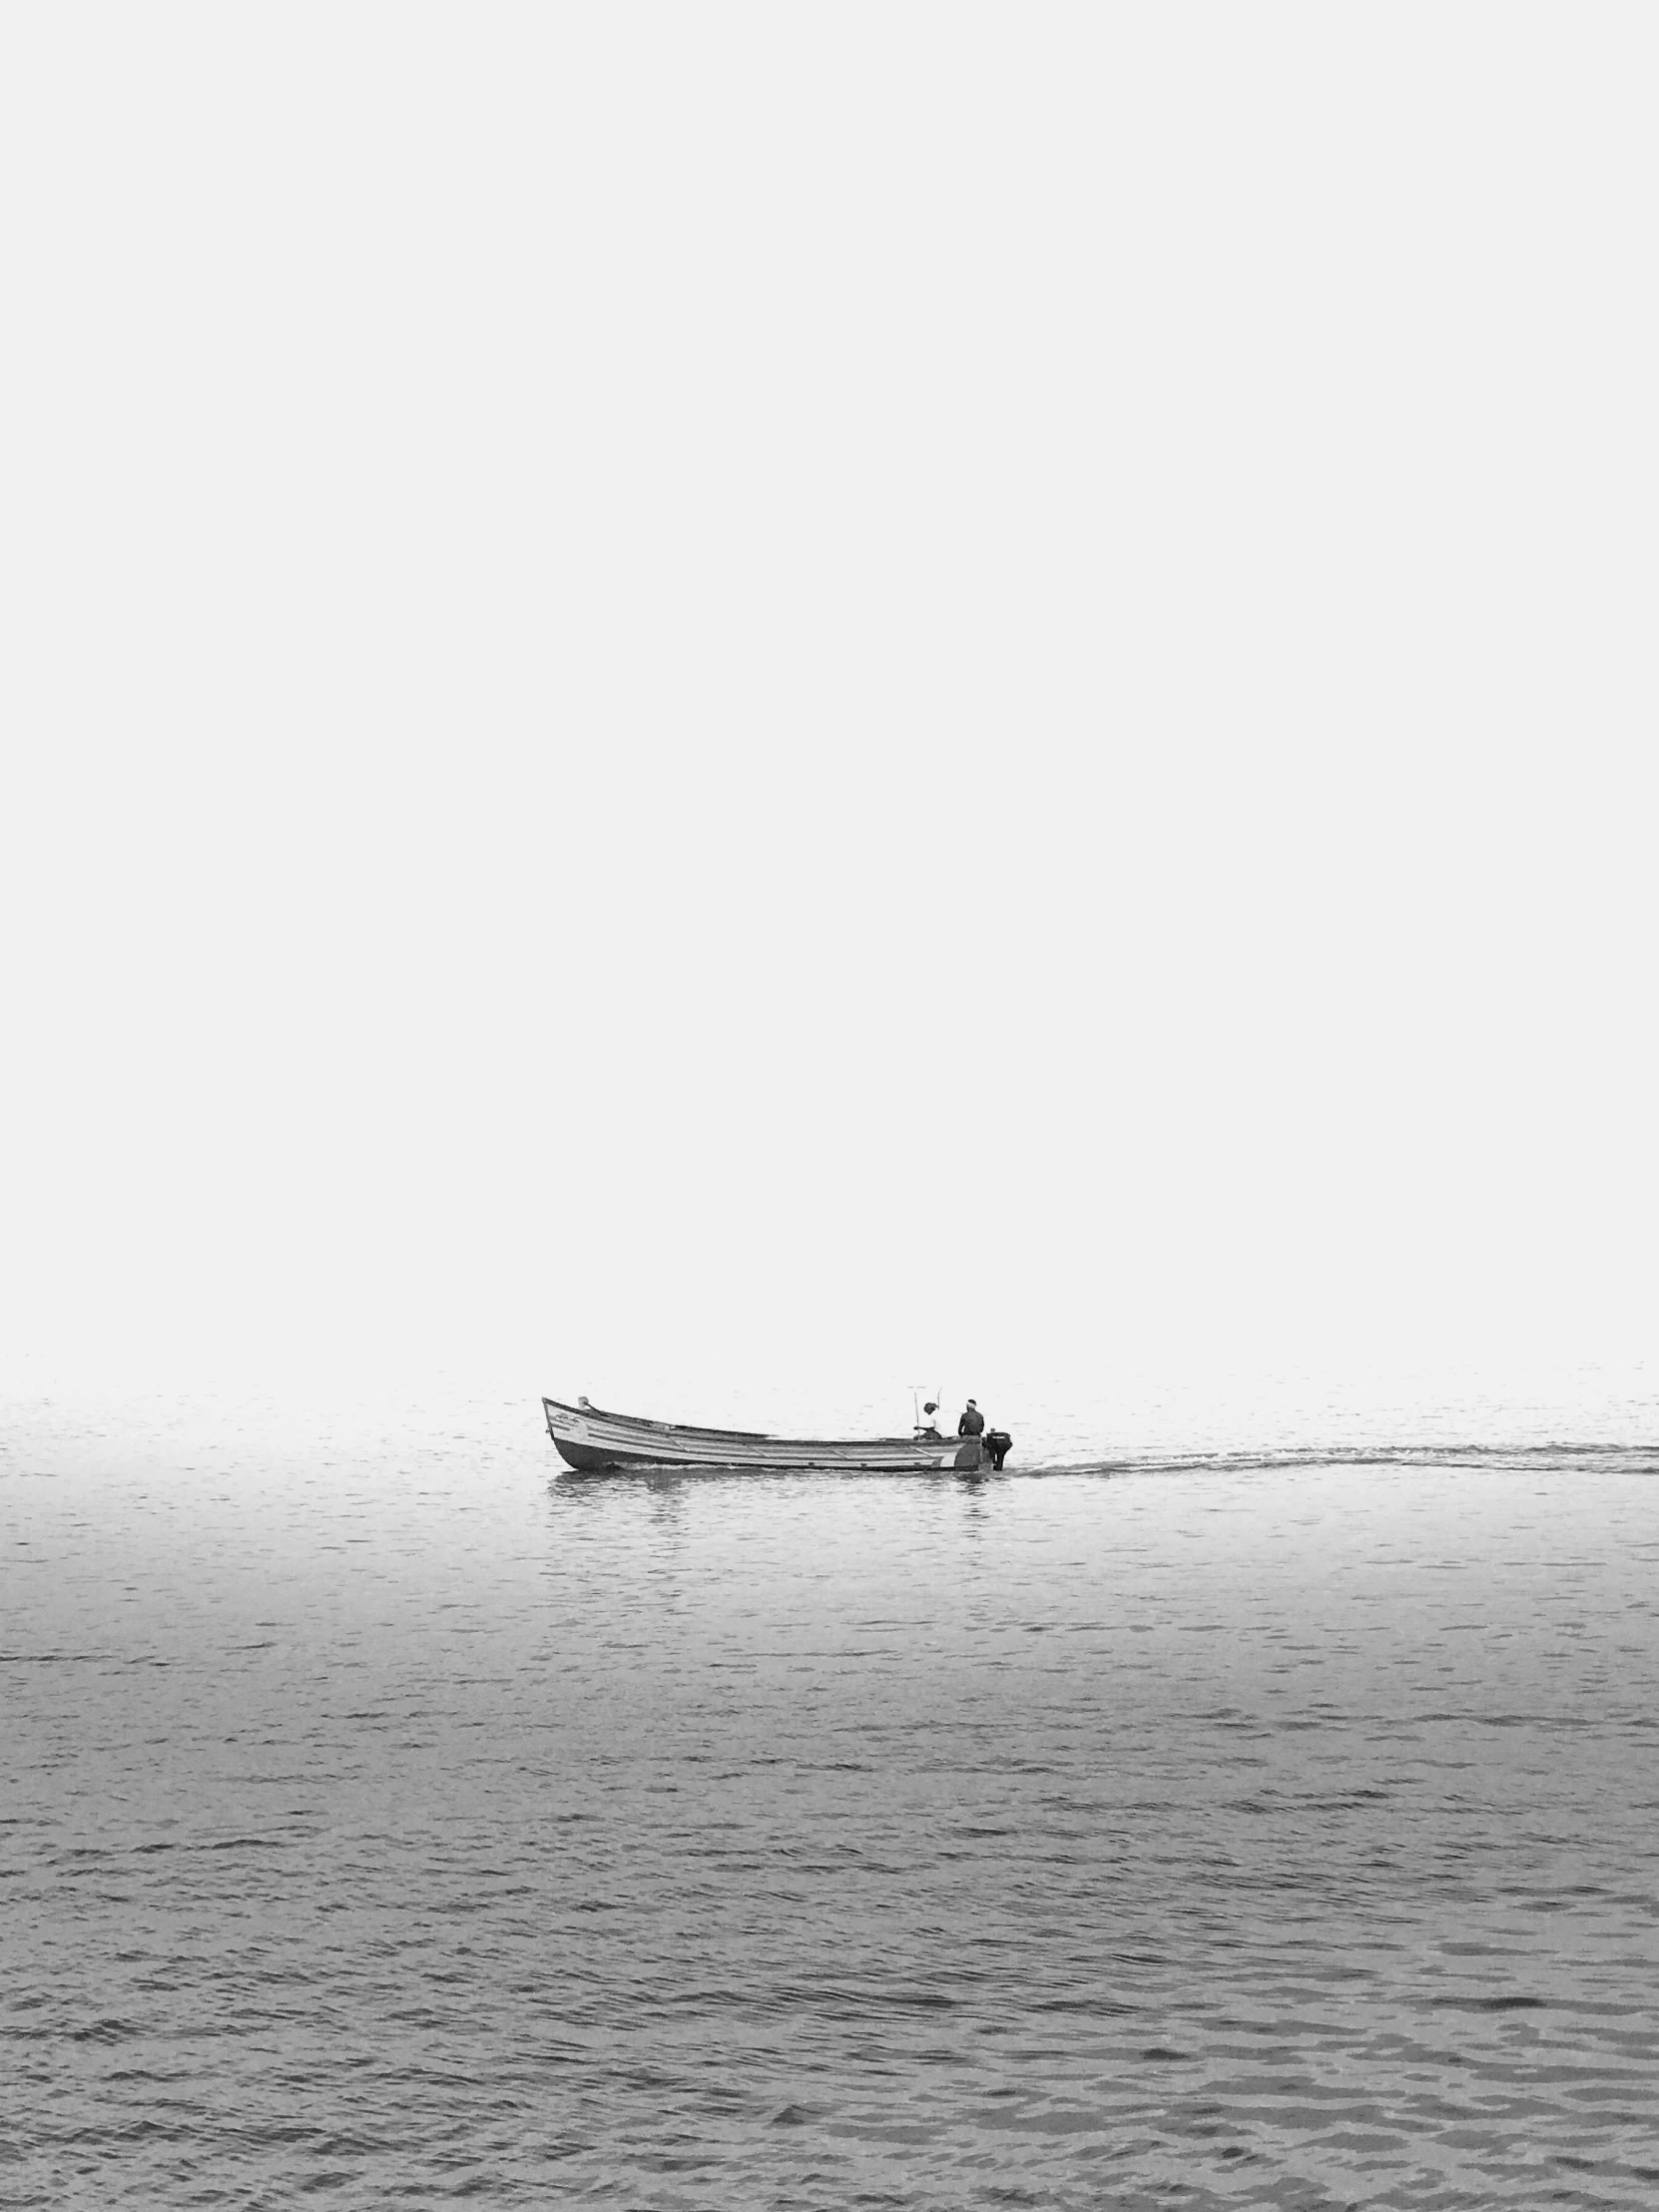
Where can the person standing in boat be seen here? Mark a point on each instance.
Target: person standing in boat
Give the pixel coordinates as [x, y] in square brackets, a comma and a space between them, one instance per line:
[972, 1423]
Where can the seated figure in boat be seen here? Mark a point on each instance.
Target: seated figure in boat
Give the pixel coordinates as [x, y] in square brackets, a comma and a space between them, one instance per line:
[972, 1423]
[928, 1426]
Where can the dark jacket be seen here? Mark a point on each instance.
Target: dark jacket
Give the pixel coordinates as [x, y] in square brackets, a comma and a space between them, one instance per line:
[972, 1423]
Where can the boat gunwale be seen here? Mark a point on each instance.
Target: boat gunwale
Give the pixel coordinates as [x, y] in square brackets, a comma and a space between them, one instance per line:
[668, 1428]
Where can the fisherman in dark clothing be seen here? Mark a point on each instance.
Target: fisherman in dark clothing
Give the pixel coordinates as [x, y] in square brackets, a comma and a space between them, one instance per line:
[972, 1423]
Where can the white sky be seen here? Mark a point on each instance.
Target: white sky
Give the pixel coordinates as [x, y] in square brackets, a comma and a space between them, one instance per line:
[834, 694]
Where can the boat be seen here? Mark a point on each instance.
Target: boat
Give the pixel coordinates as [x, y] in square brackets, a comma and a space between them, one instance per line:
[591, 1439]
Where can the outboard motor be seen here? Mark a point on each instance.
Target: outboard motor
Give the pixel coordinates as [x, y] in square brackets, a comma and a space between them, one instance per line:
[998, 1443]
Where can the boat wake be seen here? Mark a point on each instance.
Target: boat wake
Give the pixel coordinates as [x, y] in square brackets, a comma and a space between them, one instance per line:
[1628, 1459]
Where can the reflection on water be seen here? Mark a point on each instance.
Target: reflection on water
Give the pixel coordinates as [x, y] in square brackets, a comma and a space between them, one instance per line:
[385, 1819]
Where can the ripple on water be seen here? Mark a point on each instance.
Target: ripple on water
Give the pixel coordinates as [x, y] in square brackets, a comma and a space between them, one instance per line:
[1246, 1832]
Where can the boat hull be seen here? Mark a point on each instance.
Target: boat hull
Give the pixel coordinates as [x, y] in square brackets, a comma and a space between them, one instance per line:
[592, 1440]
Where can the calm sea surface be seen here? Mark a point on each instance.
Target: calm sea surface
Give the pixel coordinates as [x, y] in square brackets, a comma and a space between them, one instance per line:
[387, 1821]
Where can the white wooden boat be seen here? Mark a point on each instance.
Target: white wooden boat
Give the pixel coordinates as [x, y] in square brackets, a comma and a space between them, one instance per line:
[592, 1439]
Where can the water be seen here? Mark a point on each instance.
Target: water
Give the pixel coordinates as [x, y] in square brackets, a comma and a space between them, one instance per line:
[384, 1820]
